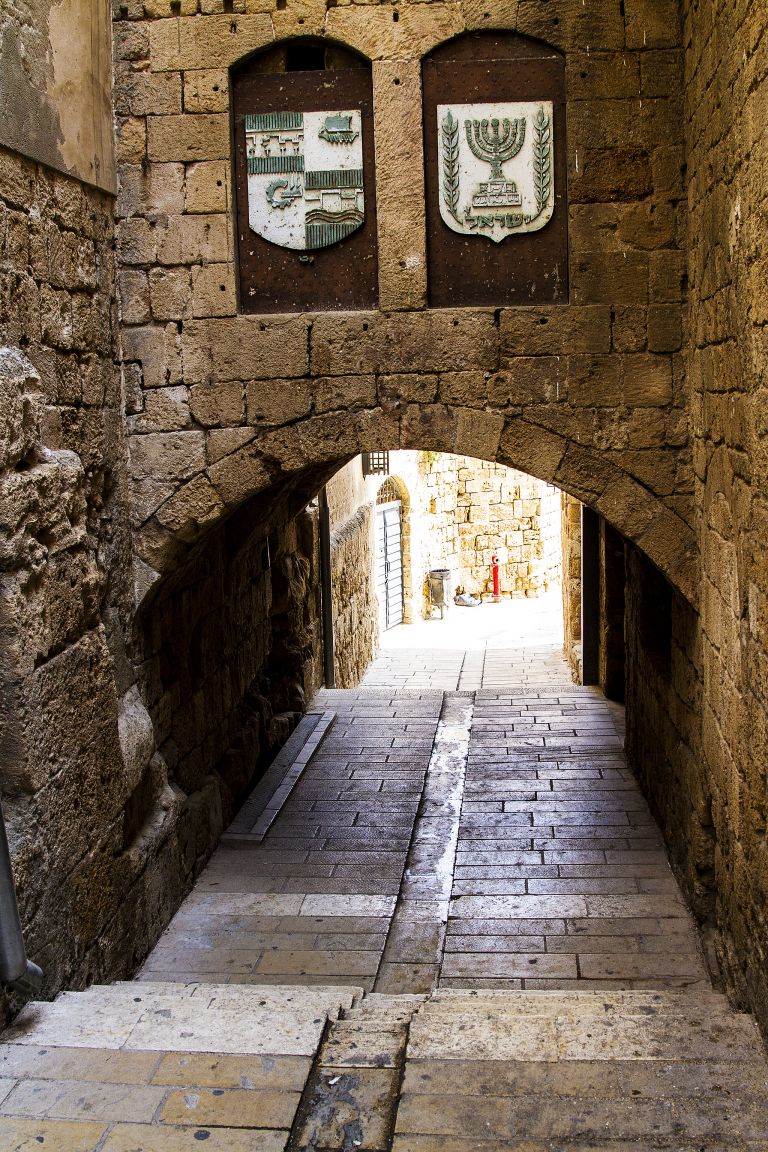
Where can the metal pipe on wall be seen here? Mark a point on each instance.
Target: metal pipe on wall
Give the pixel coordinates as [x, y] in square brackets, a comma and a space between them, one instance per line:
[15, 969]
[326, 602]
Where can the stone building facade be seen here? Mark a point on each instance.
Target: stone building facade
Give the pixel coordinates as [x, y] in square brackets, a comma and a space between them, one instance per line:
[159, 446]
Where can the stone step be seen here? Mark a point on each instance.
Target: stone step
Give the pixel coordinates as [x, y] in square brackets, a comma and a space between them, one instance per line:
[596, 1026]
[222, 1018]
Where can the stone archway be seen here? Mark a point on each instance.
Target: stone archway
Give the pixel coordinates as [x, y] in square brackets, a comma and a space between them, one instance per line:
[300, 456]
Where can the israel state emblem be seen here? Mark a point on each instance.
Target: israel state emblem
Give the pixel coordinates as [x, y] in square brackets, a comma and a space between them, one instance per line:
[496, 167]
[305, 177]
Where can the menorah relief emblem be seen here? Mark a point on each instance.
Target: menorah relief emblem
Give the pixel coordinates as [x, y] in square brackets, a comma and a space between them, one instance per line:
[498, 203]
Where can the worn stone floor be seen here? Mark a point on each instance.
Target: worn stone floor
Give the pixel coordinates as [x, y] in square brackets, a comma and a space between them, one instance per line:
[454, 929]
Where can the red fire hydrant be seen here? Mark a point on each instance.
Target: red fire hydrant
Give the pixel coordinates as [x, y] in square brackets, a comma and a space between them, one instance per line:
[495, 571]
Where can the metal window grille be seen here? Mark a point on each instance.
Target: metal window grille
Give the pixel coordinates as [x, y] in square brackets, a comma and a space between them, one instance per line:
[375, 463]
[387, 493]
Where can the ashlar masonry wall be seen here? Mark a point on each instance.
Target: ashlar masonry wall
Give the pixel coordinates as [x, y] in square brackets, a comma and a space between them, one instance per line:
[590, 395]
[470, 510]
[710, 711]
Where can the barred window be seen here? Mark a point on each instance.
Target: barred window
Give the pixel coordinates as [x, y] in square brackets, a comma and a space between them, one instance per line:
[387, 493]
[375, 463]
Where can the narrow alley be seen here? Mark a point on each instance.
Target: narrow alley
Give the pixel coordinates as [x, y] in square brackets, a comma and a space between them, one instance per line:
[444, 920]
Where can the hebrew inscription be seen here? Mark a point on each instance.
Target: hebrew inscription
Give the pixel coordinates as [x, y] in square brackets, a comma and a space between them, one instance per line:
[496, 167]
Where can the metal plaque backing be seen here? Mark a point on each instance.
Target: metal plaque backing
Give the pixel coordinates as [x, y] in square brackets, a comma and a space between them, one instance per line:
[524, 267]
[274, 278]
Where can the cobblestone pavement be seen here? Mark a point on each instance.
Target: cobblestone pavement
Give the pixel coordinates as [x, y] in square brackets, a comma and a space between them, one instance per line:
[459, 933]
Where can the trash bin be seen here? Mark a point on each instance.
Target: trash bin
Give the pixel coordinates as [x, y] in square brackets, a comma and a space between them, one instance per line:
[440, 589]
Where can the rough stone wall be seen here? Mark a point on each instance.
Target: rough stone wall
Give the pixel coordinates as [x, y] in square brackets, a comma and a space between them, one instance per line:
[230, 655]
[727, 151]
[355, 608]
[355, 605]
[612, 609]
[570, 520]
[706, 704]
[664, 689]
[473, 509]
[70, 753]
[589, 396]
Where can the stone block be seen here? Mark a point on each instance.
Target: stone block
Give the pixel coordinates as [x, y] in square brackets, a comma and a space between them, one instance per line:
[131, 140]
[533, 449]
[344, 392]
[207, 42]
[419, 29]
[406, 389]
[245, 348]
[478, 434]
[20, 407]
[206, 91]
[156, 190]
[136, 242]
[147, 94]
[217, 405]
[191, 509]
[157, 350]
[575, 23]
[648, 226]
[278, 401]
[167, 455]
[213, 290]
[147, 496]
[595, 381]
[610, 278]
[629, 329]
[621, 174]
[529, 380]
[372, 342]
[70, 723]
[647, 381]
[667, 276]
[165, 410]
[194, 239]
[603, 75]
[652, 24]
[170, 293]
[664, 328]
[400, 185]
[468, 389]
[207, 187]
[238, 476]
[554, 331]
[188, 138]
[221, 442]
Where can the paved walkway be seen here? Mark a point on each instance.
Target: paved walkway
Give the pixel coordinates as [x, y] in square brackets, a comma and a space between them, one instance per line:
[457, 933]
[487, 838]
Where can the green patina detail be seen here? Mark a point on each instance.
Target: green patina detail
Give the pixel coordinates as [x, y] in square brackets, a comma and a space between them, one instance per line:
[542, 162]
[450, 134]
[272, 164]
[274, 121]
[322, 235]
[334, 178]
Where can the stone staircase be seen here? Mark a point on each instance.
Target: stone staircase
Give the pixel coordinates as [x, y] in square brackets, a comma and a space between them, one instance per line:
[145, 1067]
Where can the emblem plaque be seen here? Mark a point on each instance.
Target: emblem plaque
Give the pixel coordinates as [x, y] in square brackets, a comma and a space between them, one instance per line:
[496, 167]
[305, 176]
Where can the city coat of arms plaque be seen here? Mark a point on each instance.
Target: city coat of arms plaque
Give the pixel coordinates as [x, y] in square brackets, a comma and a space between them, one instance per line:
[305, 177]
[496, 167]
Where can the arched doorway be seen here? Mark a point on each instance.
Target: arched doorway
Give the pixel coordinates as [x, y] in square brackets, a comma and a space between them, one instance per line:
[389, 555]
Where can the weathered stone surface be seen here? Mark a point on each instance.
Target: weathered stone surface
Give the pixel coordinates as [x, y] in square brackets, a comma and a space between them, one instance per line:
[372, 342]
[244, 348]
[400, 185]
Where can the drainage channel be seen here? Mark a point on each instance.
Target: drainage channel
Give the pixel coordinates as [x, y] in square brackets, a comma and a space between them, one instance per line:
[414, 947]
